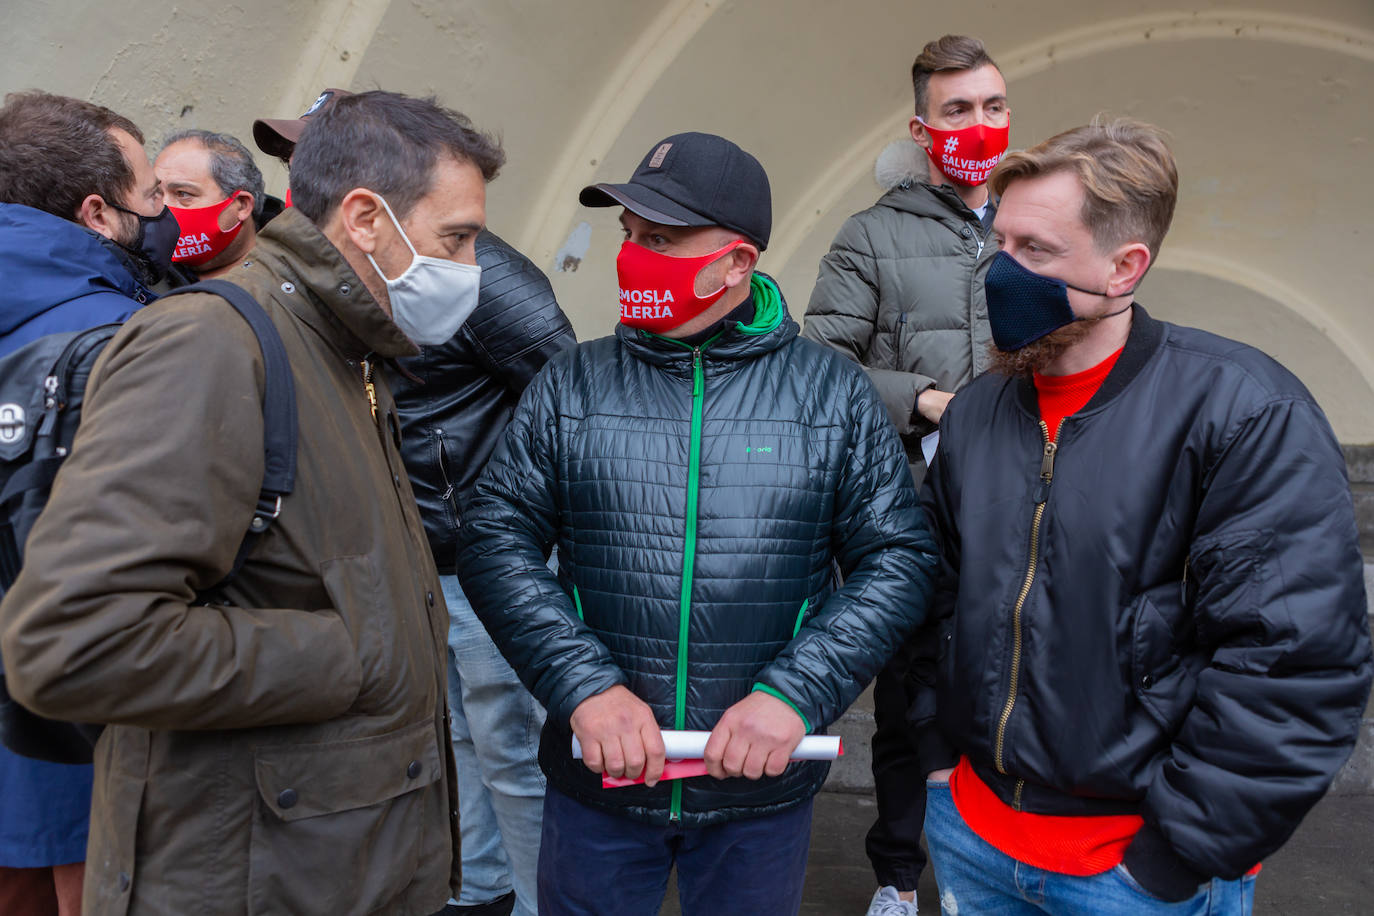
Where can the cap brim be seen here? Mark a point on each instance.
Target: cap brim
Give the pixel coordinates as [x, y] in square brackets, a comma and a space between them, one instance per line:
[277, 137]
[642, 202]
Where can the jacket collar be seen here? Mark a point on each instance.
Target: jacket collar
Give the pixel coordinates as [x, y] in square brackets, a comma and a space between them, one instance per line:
[772, 327]
[936, 201]
[345, 313]
[1141, 344]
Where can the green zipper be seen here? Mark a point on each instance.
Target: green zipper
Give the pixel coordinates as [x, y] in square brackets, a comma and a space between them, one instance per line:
[577, 602]
[801, 616]
[768, 315]
[689, 556]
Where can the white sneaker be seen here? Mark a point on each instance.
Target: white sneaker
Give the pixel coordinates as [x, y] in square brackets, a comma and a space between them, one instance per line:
[887, 903]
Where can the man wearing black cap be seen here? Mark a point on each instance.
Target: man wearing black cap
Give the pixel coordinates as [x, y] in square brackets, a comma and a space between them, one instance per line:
[700, 472]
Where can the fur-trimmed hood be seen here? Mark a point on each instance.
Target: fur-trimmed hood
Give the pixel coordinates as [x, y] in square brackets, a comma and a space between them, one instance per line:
[901, 162]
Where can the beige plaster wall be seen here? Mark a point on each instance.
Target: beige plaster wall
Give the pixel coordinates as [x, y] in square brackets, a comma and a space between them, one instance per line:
[1269, 105]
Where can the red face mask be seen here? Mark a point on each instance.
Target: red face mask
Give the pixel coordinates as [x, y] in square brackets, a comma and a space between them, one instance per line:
[658, 292]
[969, 155]
[288, 197]
[201, 237]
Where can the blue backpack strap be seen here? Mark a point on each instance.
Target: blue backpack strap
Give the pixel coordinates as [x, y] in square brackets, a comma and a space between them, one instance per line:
[280, 423]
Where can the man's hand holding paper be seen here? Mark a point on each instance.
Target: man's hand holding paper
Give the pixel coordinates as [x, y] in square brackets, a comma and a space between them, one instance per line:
[619, 736]
[754, 737]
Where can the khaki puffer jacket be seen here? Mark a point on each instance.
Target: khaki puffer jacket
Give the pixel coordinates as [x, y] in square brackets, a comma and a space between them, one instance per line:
[284, 748]
[901, 292]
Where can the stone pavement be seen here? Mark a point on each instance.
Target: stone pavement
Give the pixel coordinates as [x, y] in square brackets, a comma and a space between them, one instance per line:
[1326, 869]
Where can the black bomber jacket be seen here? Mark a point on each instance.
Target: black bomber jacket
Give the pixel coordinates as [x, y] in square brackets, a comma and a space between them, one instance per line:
[1162, 613]
[455, 399]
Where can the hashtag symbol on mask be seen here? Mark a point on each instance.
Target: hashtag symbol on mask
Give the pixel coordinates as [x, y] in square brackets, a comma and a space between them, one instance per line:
[951, 144]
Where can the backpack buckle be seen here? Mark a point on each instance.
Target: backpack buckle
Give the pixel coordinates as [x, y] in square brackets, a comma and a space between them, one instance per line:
[269, 508]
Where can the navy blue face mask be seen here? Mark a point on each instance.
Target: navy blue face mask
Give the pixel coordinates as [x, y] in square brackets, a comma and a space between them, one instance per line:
[1024, 306]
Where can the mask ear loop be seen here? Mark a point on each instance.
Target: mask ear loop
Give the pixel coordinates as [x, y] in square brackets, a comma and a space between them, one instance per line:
[1065, 283]
[1093, 292]
[224, 205]
[415, 255]
[1090, 292]
[717, 255]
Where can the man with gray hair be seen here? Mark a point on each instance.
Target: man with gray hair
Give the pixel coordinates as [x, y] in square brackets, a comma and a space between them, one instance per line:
[214, 188]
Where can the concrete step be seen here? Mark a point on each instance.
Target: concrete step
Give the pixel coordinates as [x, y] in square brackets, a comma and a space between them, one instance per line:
[853, 772]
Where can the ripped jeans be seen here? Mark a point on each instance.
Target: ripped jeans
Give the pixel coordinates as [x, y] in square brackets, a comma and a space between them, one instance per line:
[976, 879]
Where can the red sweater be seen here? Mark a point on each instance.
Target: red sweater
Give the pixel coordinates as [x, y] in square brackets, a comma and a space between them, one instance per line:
[1064, 395]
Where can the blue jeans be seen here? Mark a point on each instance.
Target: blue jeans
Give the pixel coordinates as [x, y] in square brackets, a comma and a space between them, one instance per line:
[500, 785]
[595, 863]
[975, 878]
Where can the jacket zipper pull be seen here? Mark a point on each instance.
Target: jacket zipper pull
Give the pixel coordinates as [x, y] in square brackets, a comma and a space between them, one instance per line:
[696, 371]
[1042, 492]
[368, 386]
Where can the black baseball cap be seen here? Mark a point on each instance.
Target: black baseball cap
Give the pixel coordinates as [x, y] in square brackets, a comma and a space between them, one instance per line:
[277, 136]
[694, 179]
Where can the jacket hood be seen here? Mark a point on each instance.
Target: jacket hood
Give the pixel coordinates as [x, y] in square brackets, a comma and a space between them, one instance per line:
[903, 170]
[771, 328]
[931, 201]
[902, 162]
[47, 261]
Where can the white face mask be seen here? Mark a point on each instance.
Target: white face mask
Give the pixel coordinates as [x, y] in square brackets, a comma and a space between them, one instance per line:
[432, 299]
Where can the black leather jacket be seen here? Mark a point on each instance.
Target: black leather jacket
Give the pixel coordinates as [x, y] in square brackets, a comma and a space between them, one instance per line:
[1162, 614]
[455, 399]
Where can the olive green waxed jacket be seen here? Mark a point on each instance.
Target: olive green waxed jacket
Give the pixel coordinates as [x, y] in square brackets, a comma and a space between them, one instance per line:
[282, 749]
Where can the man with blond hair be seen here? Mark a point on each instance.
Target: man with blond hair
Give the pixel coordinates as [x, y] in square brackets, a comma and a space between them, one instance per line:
[1150, 621]
[901, 292]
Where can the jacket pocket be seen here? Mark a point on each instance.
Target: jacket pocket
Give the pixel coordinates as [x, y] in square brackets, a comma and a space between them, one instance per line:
[354, 587]
[1164, 660]
[447, 496]
[340, 827]
[1227, 583]
[899, 338]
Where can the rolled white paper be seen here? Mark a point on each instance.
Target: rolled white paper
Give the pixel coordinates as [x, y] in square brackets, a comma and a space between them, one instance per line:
[692, 746]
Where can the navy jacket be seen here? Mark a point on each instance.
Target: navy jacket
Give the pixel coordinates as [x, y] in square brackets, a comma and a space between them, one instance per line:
[699, 499]
[1162, 612]
[55, 276]
[58, 276]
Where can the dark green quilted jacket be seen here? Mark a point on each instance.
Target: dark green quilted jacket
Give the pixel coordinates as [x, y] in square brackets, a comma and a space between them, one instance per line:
[700, 500]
